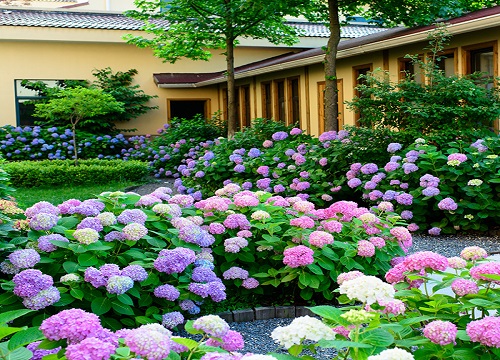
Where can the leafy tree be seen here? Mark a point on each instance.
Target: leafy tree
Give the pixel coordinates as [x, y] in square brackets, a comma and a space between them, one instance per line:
[78, 106]
[451, 107]
[389, 13]
[119, 85]
[196, 26]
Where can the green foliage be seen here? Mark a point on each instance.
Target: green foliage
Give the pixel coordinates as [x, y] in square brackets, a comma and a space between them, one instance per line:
[16, 338]
[119, 85]
[6, 190]
[440, 105]
[174, 144]
[64, 172]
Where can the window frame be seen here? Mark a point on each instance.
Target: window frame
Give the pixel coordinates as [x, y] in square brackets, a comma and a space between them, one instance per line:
[320, 85]
[356, 72]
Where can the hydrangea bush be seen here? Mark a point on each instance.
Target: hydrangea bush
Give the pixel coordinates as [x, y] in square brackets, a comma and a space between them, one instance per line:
[431, 307]
[449, 190]
[37, 143]
[135, 259]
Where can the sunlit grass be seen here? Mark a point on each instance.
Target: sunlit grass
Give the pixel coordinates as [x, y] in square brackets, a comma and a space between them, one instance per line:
[56, 195]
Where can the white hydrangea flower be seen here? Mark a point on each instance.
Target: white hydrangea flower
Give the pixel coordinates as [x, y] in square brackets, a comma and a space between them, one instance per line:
[302, 328]
[367, 289]
[475, 182]
[392, 354]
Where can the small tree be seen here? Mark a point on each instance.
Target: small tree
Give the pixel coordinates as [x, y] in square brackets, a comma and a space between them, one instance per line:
[119, 85]
[78, 106]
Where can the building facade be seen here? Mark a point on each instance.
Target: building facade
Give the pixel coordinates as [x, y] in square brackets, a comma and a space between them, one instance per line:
[273, 81]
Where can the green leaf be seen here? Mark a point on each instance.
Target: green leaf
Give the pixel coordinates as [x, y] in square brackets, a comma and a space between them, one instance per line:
[289, 277]
[99, 246]
[122, 308]
[377, 337]
[87, 259]
[483, 303]
[77, 293]
[190, 329]
[327, 312]
[144, 320]
[415, 320]
[25, 337]
[65, 299]
[18, 240]
[100, 305]
[339, 344]
[8, 298]
[5, 331]
[305, 279]
[125, 299]
[157, 243]
[123, 352]
[111, 323]
[68, 222]
[173, 356]
[315, 269]
[189, 343]
[49, 344]
[12, 315]
[246, 257]
[70, 267]
[18, 354]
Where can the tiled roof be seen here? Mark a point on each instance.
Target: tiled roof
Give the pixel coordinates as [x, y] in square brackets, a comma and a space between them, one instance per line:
[81, 20]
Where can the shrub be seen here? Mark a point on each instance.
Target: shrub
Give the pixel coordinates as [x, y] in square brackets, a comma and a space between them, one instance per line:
[450, 189]
[175, 142]
[59, 172]
[37, 143]
[184, 252]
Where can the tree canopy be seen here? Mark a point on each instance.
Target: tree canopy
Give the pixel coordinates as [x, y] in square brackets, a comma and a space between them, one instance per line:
[197, 26]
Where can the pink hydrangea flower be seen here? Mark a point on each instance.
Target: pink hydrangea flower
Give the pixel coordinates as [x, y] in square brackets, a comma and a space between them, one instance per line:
[298, 256]
[485, 331]
[348, 276]
[490, 268]
[366, 248]
[463, 287]
[473, 253]
[320, 238]
[441, 332]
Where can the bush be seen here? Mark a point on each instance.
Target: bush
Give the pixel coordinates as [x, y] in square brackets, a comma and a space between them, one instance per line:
[186, 251]
[37, 143]
[59, 172]
[451, 189]
[175, 143]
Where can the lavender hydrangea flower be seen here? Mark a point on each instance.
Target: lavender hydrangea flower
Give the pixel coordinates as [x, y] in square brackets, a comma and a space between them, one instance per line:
[203, 274]
[447, 204]
[132, 216]
[280, 135]
[90, 348]
[172, 210]
[24, 258]
[430, 191]
[30, 282]
[45, 244]
[235, 273]
[90, 223]
[119, 285]
[167, 291]
[175, 260]
[149, 342]
[74, 325]
[172, 319]
[254, 153]
[43, 221]
[114, 235]
[41, 207]
[107, 218]
[135, 272]
[42, 299]
[369, 168]
[38, 354]
[393, 147]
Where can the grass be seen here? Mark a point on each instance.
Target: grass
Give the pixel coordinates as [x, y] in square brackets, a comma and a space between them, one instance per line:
[56, 195]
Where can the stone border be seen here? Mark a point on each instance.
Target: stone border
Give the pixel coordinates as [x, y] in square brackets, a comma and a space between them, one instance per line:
[265, 313]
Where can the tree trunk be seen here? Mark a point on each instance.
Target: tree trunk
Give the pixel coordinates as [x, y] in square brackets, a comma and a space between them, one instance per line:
[231, 90]
[331, 90]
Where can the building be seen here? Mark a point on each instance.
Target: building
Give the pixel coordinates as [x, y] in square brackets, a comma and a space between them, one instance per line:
[273, 81]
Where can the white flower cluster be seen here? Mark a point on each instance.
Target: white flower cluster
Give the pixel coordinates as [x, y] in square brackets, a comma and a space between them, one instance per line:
[367, 289]
[475, 182]
[392, 354]
[302, 328]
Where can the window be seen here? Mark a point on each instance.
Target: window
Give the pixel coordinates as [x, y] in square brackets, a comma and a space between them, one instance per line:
[448, 62]
[482, 58]
[267, 100]
[357, 72]
[408, 68]
[245, 106]
[280, 100]
[187, 108]
[24, 97]
[293, 101]
[321, 105]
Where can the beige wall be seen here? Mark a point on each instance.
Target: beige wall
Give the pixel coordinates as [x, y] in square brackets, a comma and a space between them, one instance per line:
[74, 53]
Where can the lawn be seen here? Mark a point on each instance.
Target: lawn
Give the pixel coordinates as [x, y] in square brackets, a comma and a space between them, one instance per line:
[29, 196]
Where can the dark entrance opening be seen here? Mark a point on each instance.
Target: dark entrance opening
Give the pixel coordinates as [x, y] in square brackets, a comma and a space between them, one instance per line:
[187, 109]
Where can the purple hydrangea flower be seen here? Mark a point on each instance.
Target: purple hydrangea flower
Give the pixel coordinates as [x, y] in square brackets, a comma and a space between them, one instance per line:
[175, 260]
[90, 348]
[369, 168]
[280, 135]
[430, 191]
[42, 299]
[447, 204]
[393, 147]
[30, 282]
[435, 231]
[43, 221]
[135, 272]
[172, 319]
[90, 223]
[132, 216]
[41, 207]
[409, 167]
[254, 153]
[24, 258]
[134, 231]
[167, 291]
[119, 285]
[74, 325]
[45, 244]
[203, 274]
[38, 354]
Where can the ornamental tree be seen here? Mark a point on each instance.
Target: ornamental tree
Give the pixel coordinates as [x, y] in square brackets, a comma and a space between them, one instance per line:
[197, 26]
[388, 13]
[77, 107]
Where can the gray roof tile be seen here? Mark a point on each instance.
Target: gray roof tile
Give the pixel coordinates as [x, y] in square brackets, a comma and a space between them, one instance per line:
[80, 20]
